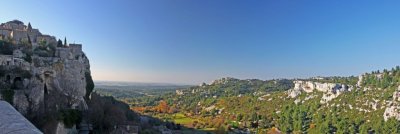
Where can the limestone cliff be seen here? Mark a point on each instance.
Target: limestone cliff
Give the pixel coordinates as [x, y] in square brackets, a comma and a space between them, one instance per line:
[393, 107]
[329, 90]
[40, 76]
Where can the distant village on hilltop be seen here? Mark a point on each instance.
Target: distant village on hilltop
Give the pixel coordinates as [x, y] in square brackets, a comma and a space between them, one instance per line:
[42, 45]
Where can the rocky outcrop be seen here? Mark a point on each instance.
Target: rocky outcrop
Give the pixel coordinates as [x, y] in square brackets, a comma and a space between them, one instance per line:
[62, 129]
[393, 108]
[45, 78]
[330, 90]
[224, 81]
[50, 75]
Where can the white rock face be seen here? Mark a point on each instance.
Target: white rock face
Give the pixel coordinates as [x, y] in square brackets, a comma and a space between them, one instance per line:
[61, 129]
[393, 108]
[305, 86]
[360, 79]
[49, 75]
[326, 97]
[330, 90]
[293, 93]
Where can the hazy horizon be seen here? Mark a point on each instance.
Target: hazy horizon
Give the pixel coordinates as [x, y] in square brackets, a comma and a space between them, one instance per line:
[190, 42]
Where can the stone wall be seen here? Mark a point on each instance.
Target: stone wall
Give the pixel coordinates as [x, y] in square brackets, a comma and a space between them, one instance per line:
[6, 33]
[19, 35]
[11, 121]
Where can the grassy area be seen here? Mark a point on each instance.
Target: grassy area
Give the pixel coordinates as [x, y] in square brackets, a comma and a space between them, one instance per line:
[209, 129]
[182, 119]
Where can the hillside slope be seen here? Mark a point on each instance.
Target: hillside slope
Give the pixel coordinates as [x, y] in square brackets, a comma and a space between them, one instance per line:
[365, 104]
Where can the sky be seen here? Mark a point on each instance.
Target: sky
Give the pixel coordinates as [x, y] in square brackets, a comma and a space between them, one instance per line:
[195, 41]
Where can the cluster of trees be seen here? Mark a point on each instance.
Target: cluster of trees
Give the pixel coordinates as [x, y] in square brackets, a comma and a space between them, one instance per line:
[162, 107]
[61, 44]
[383, 79]
[241, 103]
[210, 94]
[352, 80]
[6, 48]
[299, 119]
[106, 112]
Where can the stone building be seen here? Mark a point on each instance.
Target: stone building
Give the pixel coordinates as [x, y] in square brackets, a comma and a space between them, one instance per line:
[5, 33]
[20, 33]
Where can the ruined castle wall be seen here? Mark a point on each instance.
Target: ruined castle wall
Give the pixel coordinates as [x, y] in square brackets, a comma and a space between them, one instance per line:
[5, 32]
[34, 34]
[48, 39]
[63, 53]
[19, 35]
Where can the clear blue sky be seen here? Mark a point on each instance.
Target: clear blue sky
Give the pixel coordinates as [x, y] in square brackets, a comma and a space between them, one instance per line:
[194, 41]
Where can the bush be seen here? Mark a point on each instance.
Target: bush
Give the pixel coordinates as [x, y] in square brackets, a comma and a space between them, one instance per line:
[8, 95]
[6, 48]
[70, 117]
[28, 58]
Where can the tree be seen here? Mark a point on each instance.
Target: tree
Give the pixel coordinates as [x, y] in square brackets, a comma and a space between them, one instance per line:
[364, 128]
[65, 42]
[29, 40]
[391, 126]
[162, 107]
[59, 43]
[6, 48]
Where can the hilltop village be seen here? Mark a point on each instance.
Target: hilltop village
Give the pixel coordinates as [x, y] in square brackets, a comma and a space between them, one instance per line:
[18, 33]
[42, 76]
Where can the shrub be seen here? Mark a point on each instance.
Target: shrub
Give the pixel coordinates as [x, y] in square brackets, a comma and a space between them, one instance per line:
[28, 58]
[6, 48]
[8, 95]
[70, 117]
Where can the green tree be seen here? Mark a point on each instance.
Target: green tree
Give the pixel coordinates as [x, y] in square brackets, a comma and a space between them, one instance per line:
[65, 42]
[59, 43]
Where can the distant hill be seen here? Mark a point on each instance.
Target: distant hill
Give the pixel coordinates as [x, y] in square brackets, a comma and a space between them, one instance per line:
[369, 103]
[137, 85]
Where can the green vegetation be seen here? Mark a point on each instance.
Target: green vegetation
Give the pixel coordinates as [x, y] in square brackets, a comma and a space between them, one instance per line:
[6, 48]
[138, 95]
[44, 50]
[383, 80]
[89, 84]
[263, 106]
[70, 117]
[8, 95]
[179, 118]
[106, 112]
[352, 80]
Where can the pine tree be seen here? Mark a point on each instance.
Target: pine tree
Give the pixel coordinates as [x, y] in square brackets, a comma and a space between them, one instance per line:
[65, 42]
[29, 40]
